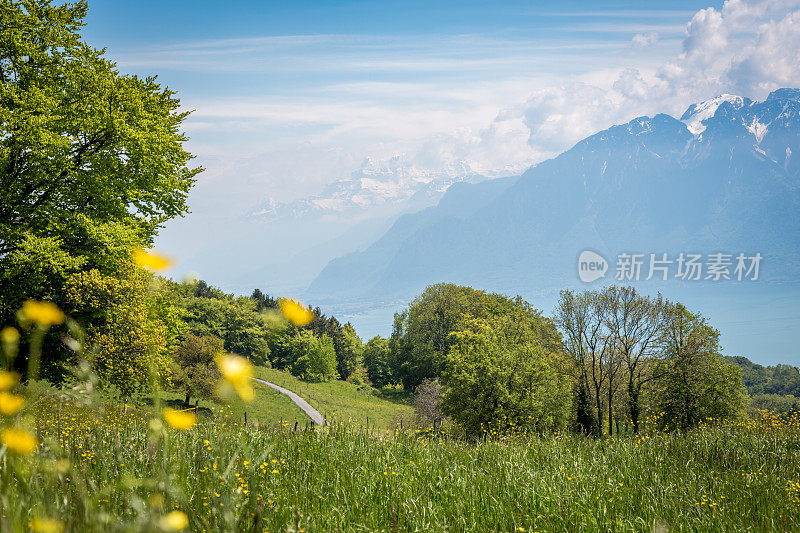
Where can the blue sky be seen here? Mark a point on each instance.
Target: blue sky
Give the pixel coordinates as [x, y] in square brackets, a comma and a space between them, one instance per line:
[331, 83]
[290, 97]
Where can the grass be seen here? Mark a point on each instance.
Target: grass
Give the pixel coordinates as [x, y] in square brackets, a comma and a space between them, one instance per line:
[101, 469]
[342, 401]
[337, 400]
[269, 407]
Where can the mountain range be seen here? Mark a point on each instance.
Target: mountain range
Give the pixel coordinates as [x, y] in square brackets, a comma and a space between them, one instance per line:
[724, 177]
[390, 186]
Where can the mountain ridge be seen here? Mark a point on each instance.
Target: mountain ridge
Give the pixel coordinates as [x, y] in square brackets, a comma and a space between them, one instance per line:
[650, 185]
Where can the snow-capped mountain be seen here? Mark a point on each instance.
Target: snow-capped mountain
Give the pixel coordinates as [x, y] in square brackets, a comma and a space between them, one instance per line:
[723, 178]
[393, 185]
[696, 116]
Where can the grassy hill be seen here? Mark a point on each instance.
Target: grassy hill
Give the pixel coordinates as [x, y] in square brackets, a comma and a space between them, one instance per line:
[336, 400]
[341, 401]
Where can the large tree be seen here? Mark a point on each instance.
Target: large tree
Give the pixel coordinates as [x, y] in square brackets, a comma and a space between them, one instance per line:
[423, 334]
[636, 325]
[582, 320]
[197, 373]
[91, 165]
[499, 377]
[697, 382]
[376, 361]
[78, 137]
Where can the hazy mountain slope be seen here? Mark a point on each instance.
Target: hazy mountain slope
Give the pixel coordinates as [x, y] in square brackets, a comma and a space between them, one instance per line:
[650, 186]
[352, 274]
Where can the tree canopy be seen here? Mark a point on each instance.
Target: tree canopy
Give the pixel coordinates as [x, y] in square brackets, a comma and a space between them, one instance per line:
[423, 333]
[91, 165]
[76, 136]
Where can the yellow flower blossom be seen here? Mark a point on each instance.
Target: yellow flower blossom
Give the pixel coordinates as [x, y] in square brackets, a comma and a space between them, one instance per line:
[8, 379]
[18, 441]
[180, 419]
[295, 312]
[44, 313]
[46, 525]
[10, 404]
[237, 371]
[150, 260]
[9, 335]
[174, 521]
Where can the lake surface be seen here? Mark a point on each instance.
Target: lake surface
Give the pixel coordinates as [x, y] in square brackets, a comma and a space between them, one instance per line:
[760, 321]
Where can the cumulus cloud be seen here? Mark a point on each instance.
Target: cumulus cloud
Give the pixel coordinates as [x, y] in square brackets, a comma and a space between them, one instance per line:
[745, 47]
[642, 40]
[748, 48]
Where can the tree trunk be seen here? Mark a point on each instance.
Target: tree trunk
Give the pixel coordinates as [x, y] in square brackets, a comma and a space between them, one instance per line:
[186, 402]
[633, 405]
[599, 411]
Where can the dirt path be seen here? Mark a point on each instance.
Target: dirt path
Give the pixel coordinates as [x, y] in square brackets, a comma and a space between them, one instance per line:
[312, 413]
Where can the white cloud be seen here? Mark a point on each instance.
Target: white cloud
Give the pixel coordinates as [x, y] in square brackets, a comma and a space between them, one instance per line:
[490, 104]
[642, 40]
[745, 48]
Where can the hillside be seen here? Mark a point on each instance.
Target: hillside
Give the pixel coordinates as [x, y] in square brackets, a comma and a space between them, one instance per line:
[336, 400]
[339, 400]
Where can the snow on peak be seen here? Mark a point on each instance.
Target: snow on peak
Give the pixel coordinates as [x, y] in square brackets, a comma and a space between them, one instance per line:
[394, 181]
[697, 114]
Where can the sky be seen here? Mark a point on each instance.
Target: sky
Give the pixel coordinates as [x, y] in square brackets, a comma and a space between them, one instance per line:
[288, 97]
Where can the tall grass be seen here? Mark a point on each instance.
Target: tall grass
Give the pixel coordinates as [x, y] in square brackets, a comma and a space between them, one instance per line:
[105, 469]
[342, 401]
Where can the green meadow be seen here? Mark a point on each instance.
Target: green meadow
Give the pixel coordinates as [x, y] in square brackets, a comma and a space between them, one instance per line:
[100, 468]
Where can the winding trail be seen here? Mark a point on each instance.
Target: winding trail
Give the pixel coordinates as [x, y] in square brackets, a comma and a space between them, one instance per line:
[312, 413]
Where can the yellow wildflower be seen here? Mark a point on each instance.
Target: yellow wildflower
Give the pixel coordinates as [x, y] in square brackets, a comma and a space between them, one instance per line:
[174, 521]
[46, 525]
[10, 404]
[295, 313]
[44, 313]
[180, 419]
[9, 335]
[18, 441]
[150, 260]
[8, 379]
[237, 371]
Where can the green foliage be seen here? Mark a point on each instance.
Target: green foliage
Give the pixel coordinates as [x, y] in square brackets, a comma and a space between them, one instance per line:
[91, 165]
[352, 352]
[76, 136]
[646, 354]
[129, 327]
[422, 334]
[785, 406]
[313, 358]
[584, 418]
[376, 361]
[779, 379]
[698, 383]
[500, 376]
[237, 321]
[347, 345]
[196, 373]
